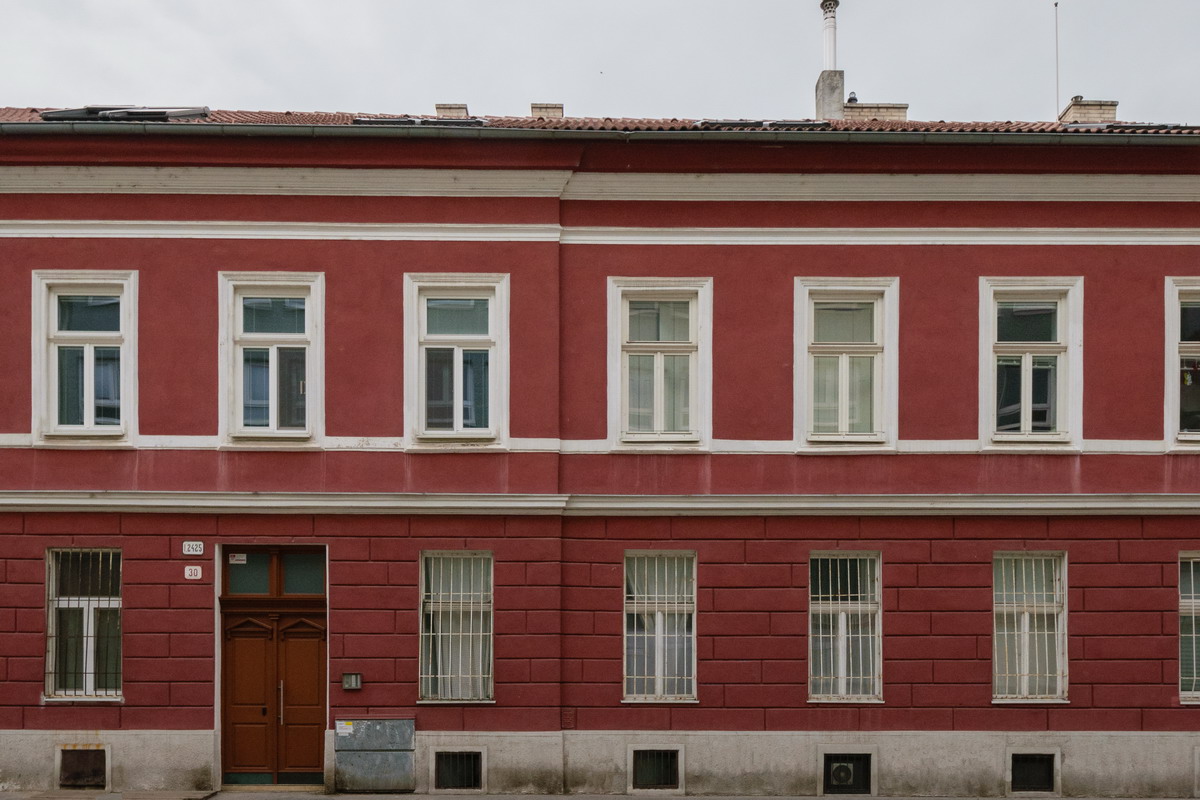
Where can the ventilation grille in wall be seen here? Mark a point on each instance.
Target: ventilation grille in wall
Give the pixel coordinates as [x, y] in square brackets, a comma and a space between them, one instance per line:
[1033, 772]
[847, 773]
[458, 770]
[655, 769]
[83, 769]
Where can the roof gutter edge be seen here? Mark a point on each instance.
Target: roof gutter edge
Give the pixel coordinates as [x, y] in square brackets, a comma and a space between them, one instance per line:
[455, 132]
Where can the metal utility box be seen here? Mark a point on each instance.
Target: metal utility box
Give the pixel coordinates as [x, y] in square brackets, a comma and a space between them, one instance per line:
[374, 755]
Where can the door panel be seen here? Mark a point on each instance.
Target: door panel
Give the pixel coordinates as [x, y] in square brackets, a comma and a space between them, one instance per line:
[273, 697]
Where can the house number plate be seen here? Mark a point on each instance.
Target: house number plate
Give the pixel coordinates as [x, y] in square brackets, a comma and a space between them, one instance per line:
[193, 572]
[193, 548]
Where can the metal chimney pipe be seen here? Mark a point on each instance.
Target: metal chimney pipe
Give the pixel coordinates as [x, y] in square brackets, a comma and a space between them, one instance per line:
[830, 9]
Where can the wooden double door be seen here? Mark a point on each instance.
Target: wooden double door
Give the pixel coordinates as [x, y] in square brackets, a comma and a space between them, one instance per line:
[273, 697]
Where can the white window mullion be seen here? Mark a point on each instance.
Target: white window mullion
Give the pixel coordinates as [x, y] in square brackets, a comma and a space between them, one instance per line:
[659, 390]
[456, 382]
[843, 380]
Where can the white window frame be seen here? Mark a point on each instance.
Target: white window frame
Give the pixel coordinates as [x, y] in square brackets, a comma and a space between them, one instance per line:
[485, 608]
[842, 610]
[698, 292]
[884, 292]
[1067, 292]
[89, 605]
[48, 286]
[418, 287]
[658, 696]
[1059, 609]
[1178, 291]
[235, 285]
[1189, 607]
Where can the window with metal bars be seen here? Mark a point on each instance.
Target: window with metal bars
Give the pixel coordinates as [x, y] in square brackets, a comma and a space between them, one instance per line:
[1029, 648]
[456, 626]
[844, 638]
[83, 623]
[660, 626]
[1189, 632]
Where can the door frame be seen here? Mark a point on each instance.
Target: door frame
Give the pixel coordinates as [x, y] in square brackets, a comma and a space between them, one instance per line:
[220, 551]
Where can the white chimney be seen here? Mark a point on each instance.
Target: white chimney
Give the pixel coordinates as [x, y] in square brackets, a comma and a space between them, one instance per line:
[1084, 111]
[831, 85]
[547, 110]
[452, 110]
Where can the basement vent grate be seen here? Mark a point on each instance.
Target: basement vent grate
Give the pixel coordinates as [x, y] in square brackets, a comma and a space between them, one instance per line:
[83, 769]
[1033, 772]
[847, 773]
[458, 770]
[655, 769]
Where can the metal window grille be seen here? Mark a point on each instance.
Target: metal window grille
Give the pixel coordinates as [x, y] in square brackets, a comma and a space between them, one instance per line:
[1189, 632]
[1032, 772]
[458, 770]
[83, 621]
[655, 769]
[660, 629]
[456, 626]
[844, 638]
[1029, 646]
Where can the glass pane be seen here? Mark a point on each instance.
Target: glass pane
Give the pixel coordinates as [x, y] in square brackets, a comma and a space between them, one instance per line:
[304, 573]
[1026, 581]
[847, 580]
[823, 652]
[639, 654]
[676, 385]
[107, 379]
[1189, 322]
[1189, 643]
[291, 389]
[843, 322]
[70, 386]
[677, 654]
[860, 654]
[1189, 580]
[825, 394]
[862, 394]
[1189, 394]
[439, 388]
[89, 313]
[641, 393]
[1006, 661]
[1044, 411]
[659, 321]
[249, 573]
[1008, 393]
[273, 314]
[256, 392]
[87, 573]
[108, 649]
[68, 649]
[1027, 321]
[456, 316]
[475, 389]
[659, 579]
[1043, 655]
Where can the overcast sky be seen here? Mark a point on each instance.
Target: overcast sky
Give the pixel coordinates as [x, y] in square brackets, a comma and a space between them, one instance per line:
[949, 59]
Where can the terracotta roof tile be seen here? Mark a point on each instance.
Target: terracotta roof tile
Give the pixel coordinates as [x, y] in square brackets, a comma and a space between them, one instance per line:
[638, 124]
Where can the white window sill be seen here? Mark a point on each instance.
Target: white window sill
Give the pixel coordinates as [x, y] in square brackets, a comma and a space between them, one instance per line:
[1031, 446]
[858, 701]
[434, 702]
[660, 700]
[55, 699]
[1030, 701]
[83, 441]
[272, 436]
[848, 448]
[1189, 701]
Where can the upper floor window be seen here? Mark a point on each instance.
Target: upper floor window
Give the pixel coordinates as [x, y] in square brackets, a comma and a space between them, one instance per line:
[456, 626]
[84, 374]
[274, 366]
[663, 360]
[1033, 358]
[1029, 645]
[1183, 360]
[847, 336]
[456, 356]
[844, 634]
[660, 626]
[83, 609]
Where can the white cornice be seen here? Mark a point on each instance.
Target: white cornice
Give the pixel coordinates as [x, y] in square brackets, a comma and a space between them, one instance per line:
[598, 505]
[840, 187]
[736, 187]
[447, 232]
[284, 181]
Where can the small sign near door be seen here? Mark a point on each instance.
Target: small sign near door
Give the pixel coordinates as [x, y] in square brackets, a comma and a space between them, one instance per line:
[193, 572]
[193, 548]
[237, 558]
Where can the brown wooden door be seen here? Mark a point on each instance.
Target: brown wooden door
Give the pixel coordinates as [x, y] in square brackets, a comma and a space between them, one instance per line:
[273, 704]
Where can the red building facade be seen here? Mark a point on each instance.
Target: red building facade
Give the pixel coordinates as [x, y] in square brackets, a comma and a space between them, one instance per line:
[619, 455]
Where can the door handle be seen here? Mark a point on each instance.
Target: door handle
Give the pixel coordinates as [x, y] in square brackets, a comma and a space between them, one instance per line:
[281, 703]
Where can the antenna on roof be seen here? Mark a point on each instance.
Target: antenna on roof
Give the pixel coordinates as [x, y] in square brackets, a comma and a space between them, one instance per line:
[830, 33]
[1057, 84]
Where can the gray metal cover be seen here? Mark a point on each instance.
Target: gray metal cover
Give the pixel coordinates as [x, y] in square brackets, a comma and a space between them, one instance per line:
[376, 771]
[374, 734]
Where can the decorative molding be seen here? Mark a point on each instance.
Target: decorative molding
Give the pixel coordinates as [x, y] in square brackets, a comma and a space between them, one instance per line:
[356, 231]
[882, 236]
[596, 505]
[840, 187]
[313, 181]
